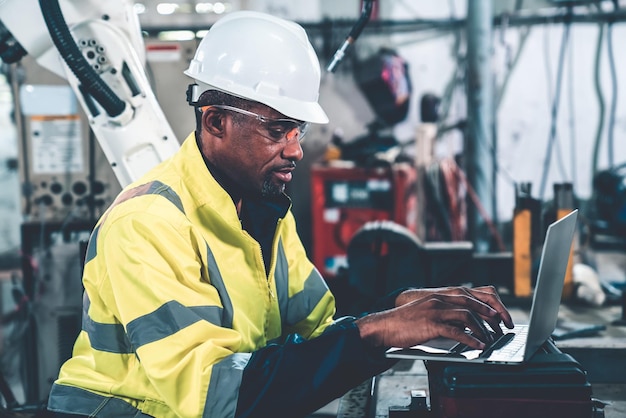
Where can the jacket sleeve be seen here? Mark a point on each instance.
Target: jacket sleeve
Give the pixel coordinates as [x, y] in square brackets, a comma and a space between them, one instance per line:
[300, 376]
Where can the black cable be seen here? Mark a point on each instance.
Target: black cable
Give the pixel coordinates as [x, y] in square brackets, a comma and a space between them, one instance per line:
[572, 117]
[65, 44]
[557, 142]
[523, 36]
[601, 105]
[366, 12]
[555, 109]
[614, 94]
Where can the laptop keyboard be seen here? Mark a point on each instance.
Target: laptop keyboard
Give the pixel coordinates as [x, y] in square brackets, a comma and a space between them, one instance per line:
[506, 347]
[513, 349]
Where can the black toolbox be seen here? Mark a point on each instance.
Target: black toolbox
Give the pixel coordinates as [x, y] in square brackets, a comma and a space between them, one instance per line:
[552, 384]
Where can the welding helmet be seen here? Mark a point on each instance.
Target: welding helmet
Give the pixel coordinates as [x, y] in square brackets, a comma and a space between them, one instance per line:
[262, 58]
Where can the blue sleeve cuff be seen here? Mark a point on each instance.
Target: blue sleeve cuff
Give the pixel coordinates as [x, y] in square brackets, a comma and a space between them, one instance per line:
[300, 376]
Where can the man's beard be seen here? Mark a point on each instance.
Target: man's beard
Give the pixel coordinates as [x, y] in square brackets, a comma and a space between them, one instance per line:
[270, 188]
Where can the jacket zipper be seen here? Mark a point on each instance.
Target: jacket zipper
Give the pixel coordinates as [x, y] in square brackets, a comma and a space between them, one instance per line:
[267, 277]
[273, 260]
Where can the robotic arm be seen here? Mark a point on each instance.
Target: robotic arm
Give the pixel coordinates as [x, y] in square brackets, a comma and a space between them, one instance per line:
[97, 47]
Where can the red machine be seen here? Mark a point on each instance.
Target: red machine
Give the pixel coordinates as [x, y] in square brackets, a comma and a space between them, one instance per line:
[345, 198]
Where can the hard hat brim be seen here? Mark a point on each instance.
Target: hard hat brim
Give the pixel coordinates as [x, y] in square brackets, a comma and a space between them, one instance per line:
[305, 111]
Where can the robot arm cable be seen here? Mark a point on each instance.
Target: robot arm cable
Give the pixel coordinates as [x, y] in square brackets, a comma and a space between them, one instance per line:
[65, 44]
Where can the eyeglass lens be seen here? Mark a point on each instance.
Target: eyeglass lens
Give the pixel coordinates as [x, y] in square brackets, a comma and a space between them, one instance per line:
[279, 129]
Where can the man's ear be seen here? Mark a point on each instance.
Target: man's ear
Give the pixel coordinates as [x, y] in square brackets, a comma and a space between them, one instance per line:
[214, 122]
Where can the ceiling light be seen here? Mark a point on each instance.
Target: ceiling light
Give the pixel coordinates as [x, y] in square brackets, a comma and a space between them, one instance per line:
[139, 8]
[204, 7]
[166, 8]
[176, 35]
[219, 8]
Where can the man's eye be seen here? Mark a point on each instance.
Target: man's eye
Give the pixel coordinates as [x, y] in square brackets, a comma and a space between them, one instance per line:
[276, 134]
[277, 130]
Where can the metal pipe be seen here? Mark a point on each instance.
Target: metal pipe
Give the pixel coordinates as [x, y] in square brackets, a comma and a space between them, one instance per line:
[479, 144]
[376, 27]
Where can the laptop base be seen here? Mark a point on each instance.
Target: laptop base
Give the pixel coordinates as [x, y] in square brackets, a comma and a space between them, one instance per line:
[552, 384]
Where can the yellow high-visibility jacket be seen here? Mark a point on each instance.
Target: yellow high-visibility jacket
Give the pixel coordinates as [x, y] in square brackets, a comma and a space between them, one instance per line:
[178, 296]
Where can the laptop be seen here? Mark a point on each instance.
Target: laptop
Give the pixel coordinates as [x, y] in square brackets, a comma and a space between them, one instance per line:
[523, 341]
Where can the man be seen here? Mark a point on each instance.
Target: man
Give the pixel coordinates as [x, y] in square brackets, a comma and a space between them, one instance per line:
[199, 297]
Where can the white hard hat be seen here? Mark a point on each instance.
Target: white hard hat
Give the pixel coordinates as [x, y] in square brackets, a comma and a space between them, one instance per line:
[261, 58]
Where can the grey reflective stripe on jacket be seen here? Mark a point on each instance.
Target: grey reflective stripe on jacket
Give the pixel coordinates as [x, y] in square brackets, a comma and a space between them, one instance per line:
[228, 372]
[163, 322]
[167, 320]
[299, 306]
[72, 400]
[105, 337]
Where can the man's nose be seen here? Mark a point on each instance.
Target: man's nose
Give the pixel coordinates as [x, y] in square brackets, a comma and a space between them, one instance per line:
[293, 149]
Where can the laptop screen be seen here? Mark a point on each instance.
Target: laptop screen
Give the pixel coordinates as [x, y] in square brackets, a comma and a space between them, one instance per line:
[552, 268]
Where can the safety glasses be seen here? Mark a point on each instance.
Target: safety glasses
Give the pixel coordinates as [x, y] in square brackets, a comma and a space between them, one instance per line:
[276, 130]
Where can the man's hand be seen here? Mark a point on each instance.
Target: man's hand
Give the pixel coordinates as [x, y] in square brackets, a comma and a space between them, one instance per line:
[423, 314]
[486, 294]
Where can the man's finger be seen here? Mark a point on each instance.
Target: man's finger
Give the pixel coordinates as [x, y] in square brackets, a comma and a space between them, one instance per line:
[463, 319]
[489, 295]
[457, 334]
[469, 302]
